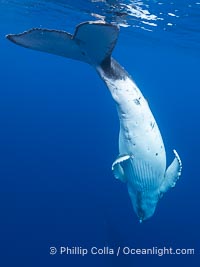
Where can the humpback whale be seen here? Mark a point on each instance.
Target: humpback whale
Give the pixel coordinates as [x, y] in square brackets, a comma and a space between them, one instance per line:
[141, 162]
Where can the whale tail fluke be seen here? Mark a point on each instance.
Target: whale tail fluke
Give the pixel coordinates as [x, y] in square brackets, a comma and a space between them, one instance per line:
[92, 42]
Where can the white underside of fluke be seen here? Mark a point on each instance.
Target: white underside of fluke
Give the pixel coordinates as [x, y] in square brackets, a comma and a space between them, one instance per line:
[141, 163]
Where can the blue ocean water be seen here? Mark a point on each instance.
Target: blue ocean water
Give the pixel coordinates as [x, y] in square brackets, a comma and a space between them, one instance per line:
[59, 135]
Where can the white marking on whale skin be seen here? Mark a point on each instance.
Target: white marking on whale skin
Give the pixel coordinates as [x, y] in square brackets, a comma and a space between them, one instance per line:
[142, 159]
[144, 170]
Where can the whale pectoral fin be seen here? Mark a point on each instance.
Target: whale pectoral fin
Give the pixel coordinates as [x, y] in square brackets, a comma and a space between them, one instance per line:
[118, 169]
[172, 174]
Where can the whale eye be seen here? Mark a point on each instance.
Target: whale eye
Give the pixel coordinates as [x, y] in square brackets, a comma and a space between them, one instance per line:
[156, 154]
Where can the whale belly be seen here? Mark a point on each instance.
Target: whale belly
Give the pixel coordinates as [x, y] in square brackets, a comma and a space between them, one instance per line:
[141, 163]
[142, 158]
[145, 169]
[140, 136]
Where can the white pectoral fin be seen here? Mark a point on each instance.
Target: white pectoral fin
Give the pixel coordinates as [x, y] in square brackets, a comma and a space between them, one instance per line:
[118, 169]
[172, 174]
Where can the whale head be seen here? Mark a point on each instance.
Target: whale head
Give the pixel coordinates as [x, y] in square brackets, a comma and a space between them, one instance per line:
[144, 203]
[146, 182]
[143, 181]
